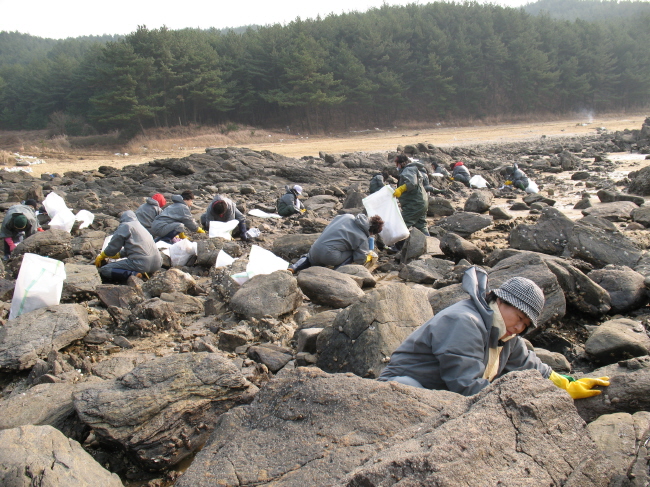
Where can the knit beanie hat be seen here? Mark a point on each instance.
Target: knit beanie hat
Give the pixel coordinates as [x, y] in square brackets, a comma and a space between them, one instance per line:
[160, 199]
[19, 220]
[524, 295]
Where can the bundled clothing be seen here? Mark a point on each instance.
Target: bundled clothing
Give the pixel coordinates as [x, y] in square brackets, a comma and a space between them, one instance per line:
[461, 173]
[133, 241]
[460, 349]
[438, 169]
[519, 178]
[148, 212]
[19, 223]
[344, 241]
[414, 201]
[376, 183]
[289, 204]
[231, 213]
[174, 219]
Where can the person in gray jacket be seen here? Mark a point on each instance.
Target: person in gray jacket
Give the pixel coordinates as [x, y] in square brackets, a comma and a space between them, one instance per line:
[151, 208]
[289, 204]
[460, 173]
[133, 241]
[469, 344]
[175, 219]
[223, 209]
[19, 223]
[344, 241]
[518, 178]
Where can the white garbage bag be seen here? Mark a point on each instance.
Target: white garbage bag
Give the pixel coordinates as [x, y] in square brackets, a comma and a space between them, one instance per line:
[85, 217]
[383, 204]
[223, 259]
[478, 182]
[532, 187]
[260, 261]
[222, 229]
[61, 216]
[39, 284]
[180, 252]
[263, 214]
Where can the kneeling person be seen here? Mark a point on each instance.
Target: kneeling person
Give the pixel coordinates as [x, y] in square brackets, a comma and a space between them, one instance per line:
[223, 209]
[133, 241]
[175, 219]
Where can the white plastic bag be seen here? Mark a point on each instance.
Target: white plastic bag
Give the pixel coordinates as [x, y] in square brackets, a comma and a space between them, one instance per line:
[223, 259]
[61, 216]
[85, 217]
[263, 214]
[532, 187]
[39, 284]
[253, 232]
[478, 182]
[260, 261]
[383, 204]
[180, 252]
[222, 229]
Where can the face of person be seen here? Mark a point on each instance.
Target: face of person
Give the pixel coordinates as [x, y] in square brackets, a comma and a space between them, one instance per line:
[189, 202]
[515, 320]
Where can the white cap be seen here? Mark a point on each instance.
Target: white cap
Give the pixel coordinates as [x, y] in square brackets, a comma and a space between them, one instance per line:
[297, 188]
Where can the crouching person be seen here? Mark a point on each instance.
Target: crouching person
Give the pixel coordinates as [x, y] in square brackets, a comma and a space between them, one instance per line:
[133, 241]
[469, 344]
[344, 241]
[175, 219]
[19, 223]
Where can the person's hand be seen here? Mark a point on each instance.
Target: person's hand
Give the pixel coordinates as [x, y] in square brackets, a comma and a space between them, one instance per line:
[10, 243]
[39, 229]
[508, 183]
[99, 260]
[200, 230]
[398, 192]
[302, 210]
[581, 388]
[182, 235]
[371, 255]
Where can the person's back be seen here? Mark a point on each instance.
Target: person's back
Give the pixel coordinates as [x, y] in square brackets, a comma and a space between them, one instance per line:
[174, 218]
[147, 212]
[376, 183]
[345, 237]
[8, 228]
[289, 204]
[230, 211]
[461, 173]
[135, 243]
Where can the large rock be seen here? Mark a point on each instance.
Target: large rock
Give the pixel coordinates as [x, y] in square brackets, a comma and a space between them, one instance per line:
[465, 223]
[548, 236]
[616, 211]
[359, 273]
[164, 409]
[328, 287]
[312, 428]
[169, 281]
[208, 250]
[458, 248]
[640, 183]
[80, 283]
[623, 437]
[642, 215]
[32, 335]
[628, 391]
[618, 339]
[600, 246]
[272, 294]
[415, 246]
[625, 286]
[43, 456]
[291, 247]
[479, 201]
[364, 335]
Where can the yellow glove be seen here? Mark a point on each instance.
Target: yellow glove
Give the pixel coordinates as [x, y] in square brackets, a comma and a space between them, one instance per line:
[182, 235]
[100, 259]
[581, 388]
[451, 178]
[508, 183]
[200, 230]
[302, 210]
[398, 192]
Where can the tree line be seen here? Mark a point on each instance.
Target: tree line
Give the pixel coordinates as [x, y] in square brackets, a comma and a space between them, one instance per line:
[424, 62]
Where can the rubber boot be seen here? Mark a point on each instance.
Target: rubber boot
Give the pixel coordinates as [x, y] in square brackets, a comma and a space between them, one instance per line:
[302, 263]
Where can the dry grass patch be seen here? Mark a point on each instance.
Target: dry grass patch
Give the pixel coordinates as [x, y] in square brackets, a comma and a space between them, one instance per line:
[7, 158]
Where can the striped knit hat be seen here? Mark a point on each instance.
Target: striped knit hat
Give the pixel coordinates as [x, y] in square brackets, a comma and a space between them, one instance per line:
[524, 295]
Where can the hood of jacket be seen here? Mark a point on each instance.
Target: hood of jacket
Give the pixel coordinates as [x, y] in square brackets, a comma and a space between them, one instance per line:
[475, 283]
[128, 216]
[177, 198]
[362, 222]
[152, 202]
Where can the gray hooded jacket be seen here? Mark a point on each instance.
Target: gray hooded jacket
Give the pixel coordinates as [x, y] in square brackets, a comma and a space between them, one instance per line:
[176, 217]
[134, 242]
[346, 236]
[231, 213]
[148, 212]
[451, 350]
[32, 223]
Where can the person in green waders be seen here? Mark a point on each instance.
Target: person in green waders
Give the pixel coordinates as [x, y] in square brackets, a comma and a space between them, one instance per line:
[413, 198]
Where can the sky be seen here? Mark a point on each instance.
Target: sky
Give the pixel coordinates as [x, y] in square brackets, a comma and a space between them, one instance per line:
[74, 18]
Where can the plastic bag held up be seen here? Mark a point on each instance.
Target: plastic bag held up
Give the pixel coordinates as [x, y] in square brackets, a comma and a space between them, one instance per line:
[180, 252]
[383, 204]
[39, 284]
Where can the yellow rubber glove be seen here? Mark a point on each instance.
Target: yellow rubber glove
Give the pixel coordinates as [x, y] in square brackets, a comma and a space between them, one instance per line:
[100, 259]
[508, 183]
[200, 230]
[581, 388]
[302, 210]
[398, 192]
[182, 235]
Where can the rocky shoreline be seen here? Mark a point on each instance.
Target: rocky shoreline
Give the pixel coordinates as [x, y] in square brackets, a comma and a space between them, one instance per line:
[271, 381]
